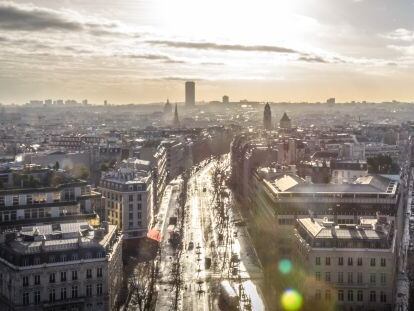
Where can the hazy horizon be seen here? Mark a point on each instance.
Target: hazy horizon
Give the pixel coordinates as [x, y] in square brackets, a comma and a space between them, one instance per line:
[143, 51]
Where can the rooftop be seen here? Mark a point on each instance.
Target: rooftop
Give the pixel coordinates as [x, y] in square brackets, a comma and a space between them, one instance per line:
[58, 237]
[367, 229]
[374, 184]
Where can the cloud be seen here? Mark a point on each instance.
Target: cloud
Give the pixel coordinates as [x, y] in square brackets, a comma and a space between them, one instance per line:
[313, 59]
[400, 34]
[156, 57]
[181, 79]
[18, 17]
[223, 47]
[14, 17]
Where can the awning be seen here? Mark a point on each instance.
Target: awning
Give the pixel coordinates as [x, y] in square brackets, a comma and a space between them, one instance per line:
[154, 234]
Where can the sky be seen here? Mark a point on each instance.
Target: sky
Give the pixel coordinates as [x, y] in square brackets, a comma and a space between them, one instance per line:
[141, 51]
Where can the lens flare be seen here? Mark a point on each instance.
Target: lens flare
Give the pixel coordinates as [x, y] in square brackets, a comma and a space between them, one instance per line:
[285, 266]
[291, 300]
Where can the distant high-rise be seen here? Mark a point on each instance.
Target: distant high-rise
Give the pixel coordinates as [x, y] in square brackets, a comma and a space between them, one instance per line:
[226, 99]
[267, 117]
[285, 122]
[189, 93]
[176, 120]
[330, 101]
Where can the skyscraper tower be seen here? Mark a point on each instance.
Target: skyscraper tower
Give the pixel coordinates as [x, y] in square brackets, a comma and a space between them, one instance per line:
[189, 93]
[176, 121]
[267, 117]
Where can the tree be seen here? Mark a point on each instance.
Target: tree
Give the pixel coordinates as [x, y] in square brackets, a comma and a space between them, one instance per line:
[104, 167]
[382, 164]
[141, 286]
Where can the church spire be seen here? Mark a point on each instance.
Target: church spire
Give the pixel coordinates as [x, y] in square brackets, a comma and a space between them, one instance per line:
[176, 121]
[267, 117]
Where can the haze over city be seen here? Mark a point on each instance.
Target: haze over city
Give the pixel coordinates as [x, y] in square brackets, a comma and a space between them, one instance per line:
[265, 50]
[220, 155]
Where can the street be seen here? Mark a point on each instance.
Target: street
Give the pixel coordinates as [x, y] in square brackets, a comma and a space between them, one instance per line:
[209, 254]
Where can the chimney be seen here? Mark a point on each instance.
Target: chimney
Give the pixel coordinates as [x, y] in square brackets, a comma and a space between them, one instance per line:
[43, 243]
[105, 225]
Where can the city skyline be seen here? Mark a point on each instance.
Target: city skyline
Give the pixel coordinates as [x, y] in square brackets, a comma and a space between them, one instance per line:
[143, 51]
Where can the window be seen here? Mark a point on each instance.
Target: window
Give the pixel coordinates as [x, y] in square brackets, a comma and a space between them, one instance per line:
[340, 261]
[359, 261]
[359, 278]
[131, 206]
[139, 206]
[99, 289]
[37, 279]
[327, 276]
[372, 278]
[25, 281]
[340, 295]
[318, 261]
[383, 297]
[318, 276]
[89, 273]
[327, 294]
[139, 215]
[52, 278]
[89, 290]
[340, 277]
[131, 198]
[52, 296]
[63, 293]
[15, 200]
[318, 294]
[372, 296]
[99, 272]
[327, 261]
[372, 262]
[74, 292]
[383, 278]
[63, 276]
[383, 262]
[350, 278]
[74, 275]
[36, 297]
[139, 197]
[350, 261]
[26, 298]
[350, 295]
[360, 295]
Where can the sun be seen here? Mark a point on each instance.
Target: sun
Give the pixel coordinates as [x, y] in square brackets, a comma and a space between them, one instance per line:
[243, 21]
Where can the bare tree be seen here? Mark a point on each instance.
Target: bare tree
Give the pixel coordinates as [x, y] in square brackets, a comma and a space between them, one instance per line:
[141, 285]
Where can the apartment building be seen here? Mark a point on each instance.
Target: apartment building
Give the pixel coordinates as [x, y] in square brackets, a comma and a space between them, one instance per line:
[352, 266]
[35, 194]
[278, 202]
[70, 266]
[128, 200]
